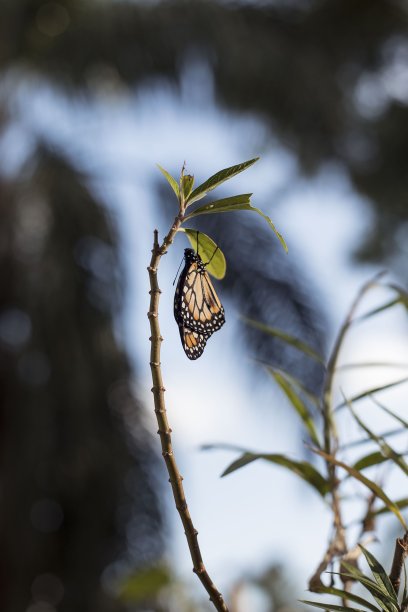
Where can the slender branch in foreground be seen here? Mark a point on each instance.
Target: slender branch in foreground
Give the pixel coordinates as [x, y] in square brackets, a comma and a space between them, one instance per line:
[337, 545]
[400, 553]
[164, 429]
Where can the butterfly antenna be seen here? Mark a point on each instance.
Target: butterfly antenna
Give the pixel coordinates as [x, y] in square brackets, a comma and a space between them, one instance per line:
[212, 256]
[181, 263]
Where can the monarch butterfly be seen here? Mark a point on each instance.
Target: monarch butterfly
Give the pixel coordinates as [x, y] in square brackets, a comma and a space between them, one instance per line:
[197, 308]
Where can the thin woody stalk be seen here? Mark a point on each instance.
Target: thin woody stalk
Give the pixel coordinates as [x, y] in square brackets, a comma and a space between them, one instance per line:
[164, 429]
[337, 544]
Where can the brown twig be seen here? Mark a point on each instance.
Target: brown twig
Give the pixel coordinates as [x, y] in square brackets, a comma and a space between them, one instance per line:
[400, 553]
[164, 429]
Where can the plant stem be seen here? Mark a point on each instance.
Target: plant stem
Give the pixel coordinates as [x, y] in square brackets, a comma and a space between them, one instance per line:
[164, 429]
[400, 553]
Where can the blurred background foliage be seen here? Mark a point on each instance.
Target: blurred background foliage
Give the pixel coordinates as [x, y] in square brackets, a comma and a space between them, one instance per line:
[329, 80]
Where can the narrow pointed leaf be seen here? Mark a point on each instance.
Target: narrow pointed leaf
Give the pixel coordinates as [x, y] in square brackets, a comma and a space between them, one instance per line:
[369, 392]
[386, 449]
[348, 596]
[376, 311]
[187, 182]
[378, 591]
[303, 469]
[208, 251]
[390, 412]
[400, 503]
[380, 575]
[329, 606]
[170, 179]
[217, 179]
[369, 460]
[291, 340]
[232, 205]
[367, 482]
[363, 441]
[295, 382]
[298, 404]
[371, 364]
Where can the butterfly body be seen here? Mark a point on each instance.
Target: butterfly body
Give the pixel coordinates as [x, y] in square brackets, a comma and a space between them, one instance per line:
[197, 308]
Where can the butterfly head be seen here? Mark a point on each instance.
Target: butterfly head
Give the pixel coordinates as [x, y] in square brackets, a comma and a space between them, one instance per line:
[190, 256]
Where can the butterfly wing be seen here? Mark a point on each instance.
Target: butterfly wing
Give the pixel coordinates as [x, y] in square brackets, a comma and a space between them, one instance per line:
[196, 304]
[193, 342]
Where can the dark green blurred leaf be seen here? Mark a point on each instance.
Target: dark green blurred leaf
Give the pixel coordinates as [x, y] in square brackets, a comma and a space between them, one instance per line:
[208, 250]
[303, 469]
[370, 460]
[297, 403]
[348, 596]
[376, 311]
[217, 179]
[171, 180]
[369, 392]
[329, 606]
[144, 584]
[365, 481]
[401, 503]
[287, 338]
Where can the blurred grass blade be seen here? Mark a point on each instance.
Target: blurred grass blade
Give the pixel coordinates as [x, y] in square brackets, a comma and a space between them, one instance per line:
[348, 596]
[400, 503]
[297, 403]
[369, 392]
[369, 460]
[171, 180]
[329, 606]
[402, 294]
[291, 340]
[372, 486]
[217, 179]
[386, 449]
[233, 204]
[303, 469]
[208, 250]
[390, 412]
[380, 575]
[362, 441]
[295, 382]
[376, 311]
[372, 364]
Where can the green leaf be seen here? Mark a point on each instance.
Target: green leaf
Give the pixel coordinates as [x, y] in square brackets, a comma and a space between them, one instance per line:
[369, 392]
[386, 449]
[233, 204]
[291, 340]
[370, 460]
[329, 606]
[223, 205]
[171, 180]
[374, 488]
[217, 179]
[297, 404]
[380, 575]
[376, 311]
[144, 584]
[303, 469]
[362, 441]
[295, 382]
[390, 412]
[400, 503]
[348, 596]
[187, 181]
[208, 251]
[378, 591]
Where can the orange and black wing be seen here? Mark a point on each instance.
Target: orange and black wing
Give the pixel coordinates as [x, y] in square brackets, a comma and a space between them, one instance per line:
[196, 304]
[193, 342]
